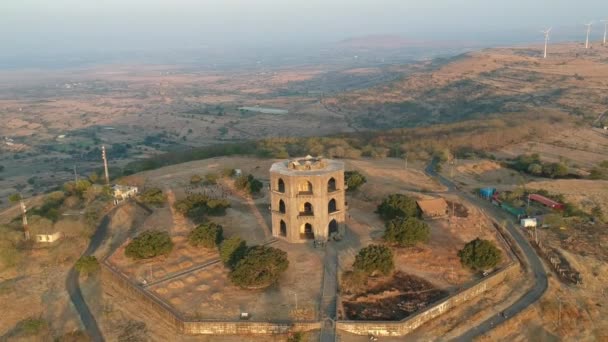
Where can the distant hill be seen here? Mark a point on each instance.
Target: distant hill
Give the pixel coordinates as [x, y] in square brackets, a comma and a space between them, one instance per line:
[493, 81]
[395, 42]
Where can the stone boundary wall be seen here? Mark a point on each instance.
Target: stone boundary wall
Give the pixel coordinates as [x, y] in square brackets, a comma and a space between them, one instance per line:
[111, 276]
[407, 325]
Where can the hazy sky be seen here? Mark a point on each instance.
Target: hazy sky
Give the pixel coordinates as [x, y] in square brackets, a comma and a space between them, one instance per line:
[42, 25]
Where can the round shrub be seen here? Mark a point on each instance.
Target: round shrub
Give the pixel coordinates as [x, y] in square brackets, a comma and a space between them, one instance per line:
[480, 254]
[406, 232]
[398, 205]
[261, 266]
[374, 258]
[87, 265]
[206, 235]
[149, 244]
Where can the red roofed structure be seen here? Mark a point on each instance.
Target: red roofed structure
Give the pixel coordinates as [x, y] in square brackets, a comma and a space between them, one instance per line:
[546, 201]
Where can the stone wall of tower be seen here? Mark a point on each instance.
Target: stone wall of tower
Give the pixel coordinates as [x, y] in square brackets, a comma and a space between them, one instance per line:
[294, 217]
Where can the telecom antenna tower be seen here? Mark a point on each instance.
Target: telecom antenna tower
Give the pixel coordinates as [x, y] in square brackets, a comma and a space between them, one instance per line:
[105, 164]
[605, 30]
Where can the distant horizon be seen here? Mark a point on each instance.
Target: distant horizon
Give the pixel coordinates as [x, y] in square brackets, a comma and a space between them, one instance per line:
[39, 32]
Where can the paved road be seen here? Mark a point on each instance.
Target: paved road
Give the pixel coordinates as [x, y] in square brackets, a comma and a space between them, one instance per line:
[73, 285]
[532, 259]
[330, 293]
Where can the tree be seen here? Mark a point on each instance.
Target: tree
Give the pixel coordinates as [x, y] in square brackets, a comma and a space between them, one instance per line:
[406, 232]
[232, 251]
[398, 205]
[87, 265]
[14, 198]
[260, 267]
[206, 235]
[153, 196]
[535, 169]
[374, 258]
[249, 184]
[149, 244]
[480, 254]
[353, 180]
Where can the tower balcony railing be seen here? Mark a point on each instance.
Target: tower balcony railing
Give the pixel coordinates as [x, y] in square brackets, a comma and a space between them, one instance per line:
[305, 194]
[306, 214]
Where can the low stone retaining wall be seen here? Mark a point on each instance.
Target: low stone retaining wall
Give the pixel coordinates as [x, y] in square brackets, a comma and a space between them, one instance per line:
[113, 277]
[407, 325]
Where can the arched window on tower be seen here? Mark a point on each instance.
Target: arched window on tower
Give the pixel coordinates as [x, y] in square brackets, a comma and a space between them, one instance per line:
[331, 185]
[331, 206]
[281, 206]
[281, 185]
[305, 187]
[306, 209]
[332, 227]
[283, 229]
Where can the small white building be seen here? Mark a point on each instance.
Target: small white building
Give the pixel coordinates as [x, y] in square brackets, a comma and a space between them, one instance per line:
[238, 172]
[48, 237]
[529, 222]
[123, 192]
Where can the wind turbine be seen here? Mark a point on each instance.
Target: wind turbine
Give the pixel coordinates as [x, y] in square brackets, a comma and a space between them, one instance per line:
[588, 31]
[605, 29]
[546, 33]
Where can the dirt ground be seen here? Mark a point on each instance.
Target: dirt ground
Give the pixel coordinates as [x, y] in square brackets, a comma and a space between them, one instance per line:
[472, 174]
[580, 148]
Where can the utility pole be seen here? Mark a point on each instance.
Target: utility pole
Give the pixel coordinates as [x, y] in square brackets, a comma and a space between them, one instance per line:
[75, 174]
[105, 164]
[406, 161]
[26, 231]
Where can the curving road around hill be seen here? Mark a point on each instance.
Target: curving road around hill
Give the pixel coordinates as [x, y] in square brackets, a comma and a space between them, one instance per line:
[531, 258]
[73, 285]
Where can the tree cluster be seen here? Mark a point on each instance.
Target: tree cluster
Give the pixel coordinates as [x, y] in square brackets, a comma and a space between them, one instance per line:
[398, 205]
[374, 259]
[248, 184]
[531, 164]
[353, 180]
[208, 235]
[232, 250]
[197, 206]
[149, 244]
[260, 266]
[480, 254]
[406, 232]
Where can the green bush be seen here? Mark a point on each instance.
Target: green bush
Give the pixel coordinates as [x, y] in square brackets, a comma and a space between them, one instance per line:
[87, 265]
[374, 258]
[406, 232]
[206, 235]
[31, 326]
[153, 196]
[398, 205]
[353, 180]
[14, 198]
[480, 254]
[197, 206]
[261, 266]
[248, 184]
[149, 244]
[232, 251]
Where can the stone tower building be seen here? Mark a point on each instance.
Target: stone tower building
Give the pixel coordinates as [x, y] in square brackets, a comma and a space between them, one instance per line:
[307, 199]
